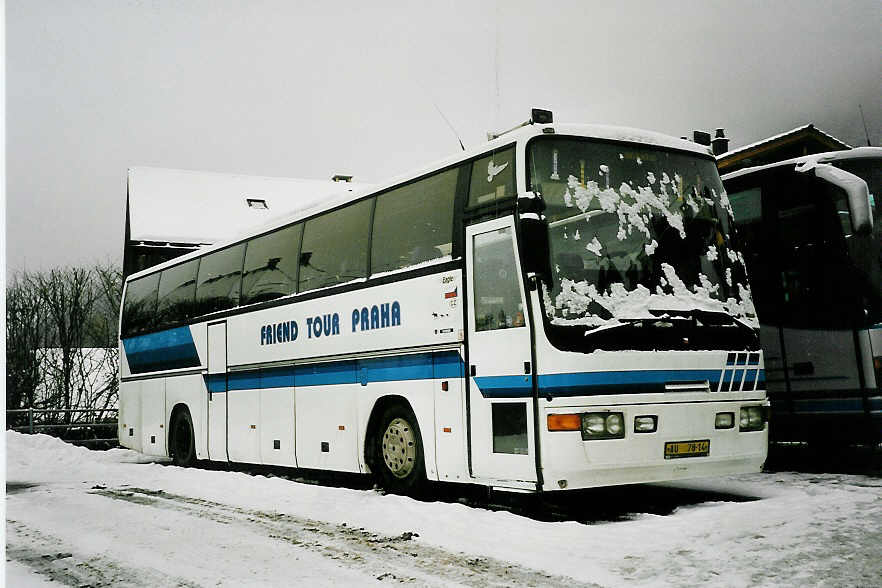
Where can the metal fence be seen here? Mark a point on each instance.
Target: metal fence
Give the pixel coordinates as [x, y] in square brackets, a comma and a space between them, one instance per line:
[81, 432]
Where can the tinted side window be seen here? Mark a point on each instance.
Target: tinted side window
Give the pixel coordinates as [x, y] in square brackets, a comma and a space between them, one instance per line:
[139, 309]
[177, 292]
[220, 280]
[493, 178]
[414, 223]
[335, 247]
[271, 265]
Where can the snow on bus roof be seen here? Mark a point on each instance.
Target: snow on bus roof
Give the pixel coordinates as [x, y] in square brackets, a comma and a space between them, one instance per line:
[327, 201]
[809, 161]
[184, 206]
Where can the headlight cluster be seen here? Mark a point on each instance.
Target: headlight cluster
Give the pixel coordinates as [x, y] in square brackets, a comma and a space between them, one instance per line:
[600, 425]
[603, 425]
[752, 419]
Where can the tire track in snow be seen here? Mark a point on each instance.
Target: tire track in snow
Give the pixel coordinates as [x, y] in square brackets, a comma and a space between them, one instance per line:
[49, 556]
[388, 558]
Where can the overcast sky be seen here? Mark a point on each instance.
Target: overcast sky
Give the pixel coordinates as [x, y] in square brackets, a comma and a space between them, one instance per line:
[310, 89]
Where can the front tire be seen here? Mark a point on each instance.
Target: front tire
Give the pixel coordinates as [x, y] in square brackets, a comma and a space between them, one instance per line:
[398, 458]
[183, 442]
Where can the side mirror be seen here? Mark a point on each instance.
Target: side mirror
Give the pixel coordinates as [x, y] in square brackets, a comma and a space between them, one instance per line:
[534, 235]
[857, 191]
[531, 202]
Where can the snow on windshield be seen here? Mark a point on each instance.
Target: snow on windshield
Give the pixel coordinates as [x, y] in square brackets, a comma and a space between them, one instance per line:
[636, 233]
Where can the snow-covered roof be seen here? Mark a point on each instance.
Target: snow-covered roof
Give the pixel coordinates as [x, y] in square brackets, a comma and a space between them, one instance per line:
[809, 161]
[778, 137]
[182, 206]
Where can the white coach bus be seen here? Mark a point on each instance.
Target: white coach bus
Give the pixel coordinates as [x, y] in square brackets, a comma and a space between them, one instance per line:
[563, 307]
[811, 230]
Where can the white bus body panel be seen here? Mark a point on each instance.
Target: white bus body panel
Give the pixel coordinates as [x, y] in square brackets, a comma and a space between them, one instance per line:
[153, 417]
[243, 420]
[327, 434]
[277, 424]
[451, 450]
[129, 417]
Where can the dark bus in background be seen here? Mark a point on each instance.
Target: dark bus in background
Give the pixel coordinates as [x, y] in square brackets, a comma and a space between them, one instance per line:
[810, 229]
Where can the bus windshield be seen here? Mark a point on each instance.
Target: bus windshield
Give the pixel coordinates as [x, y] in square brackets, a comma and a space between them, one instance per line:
[639, 236]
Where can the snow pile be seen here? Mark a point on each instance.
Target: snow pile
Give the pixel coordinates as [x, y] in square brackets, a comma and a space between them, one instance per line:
[151, 524]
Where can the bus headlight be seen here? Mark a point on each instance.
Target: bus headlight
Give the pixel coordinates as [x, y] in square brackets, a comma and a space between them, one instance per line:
[645, 424]
[593, 424]
[603, 425]
[751, 418]
[614, 424]
[725, 420]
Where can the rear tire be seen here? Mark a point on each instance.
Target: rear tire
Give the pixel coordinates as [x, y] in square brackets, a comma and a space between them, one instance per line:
[397, 456]
[183, 442]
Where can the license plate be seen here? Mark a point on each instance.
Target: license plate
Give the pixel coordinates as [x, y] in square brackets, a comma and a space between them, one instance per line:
[675, 449]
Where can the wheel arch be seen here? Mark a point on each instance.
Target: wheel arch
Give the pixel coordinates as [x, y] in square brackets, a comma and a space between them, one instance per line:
[177, 408]
[380, 405]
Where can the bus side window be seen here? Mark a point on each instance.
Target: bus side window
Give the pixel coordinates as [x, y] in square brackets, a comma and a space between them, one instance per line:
[271, 265]
[219, 283]
[493, 178]
[139, 308]
[414, 223]
[498, 303]
[335, 247]
[177, 292]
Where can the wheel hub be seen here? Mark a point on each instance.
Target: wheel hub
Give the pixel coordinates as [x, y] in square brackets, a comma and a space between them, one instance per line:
[399, 448]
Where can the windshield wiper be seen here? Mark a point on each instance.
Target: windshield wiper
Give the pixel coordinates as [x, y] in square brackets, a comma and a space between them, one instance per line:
[707, 317]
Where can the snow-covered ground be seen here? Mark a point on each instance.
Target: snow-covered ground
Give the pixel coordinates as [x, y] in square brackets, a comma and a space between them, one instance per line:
[78, 517]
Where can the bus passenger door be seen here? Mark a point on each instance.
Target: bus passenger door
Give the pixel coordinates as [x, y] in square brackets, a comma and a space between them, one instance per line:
[499, 358]
[216, 382]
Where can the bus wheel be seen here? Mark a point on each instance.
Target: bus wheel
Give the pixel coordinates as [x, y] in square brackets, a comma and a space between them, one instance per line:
[398, 451]
[183, 445]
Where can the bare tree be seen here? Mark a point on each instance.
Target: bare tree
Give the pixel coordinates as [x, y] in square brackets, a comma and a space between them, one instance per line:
[25, 337]
[62, 345]
[108, 284]
[68, 297]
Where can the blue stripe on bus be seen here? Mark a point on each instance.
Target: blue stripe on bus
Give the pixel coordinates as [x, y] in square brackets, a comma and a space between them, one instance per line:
[165, 350]
[448, 365]
[325, 374]
[422, 366]
[505, 386]
[404, 367]
[427, 366]
[619, 382]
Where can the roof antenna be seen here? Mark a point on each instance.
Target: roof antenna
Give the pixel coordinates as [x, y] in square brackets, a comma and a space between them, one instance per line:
[863, 120]
[449, 125]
